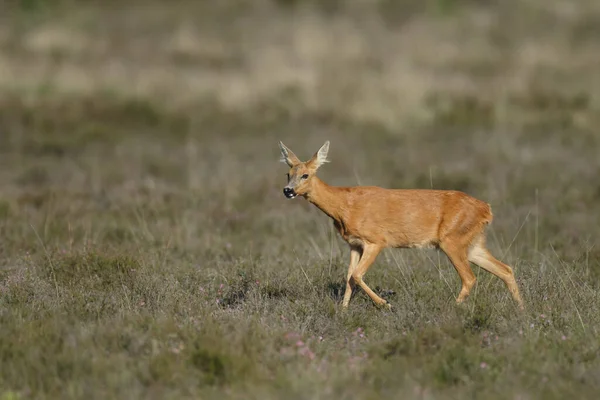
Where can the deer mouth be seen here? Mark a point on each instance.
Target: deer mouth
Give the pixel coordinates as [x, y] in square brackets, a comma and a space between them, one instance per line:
[289, 193]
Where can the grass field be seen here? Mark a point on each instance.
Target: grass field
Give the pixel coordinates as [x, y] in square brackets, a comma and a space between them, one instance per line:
[147, 251]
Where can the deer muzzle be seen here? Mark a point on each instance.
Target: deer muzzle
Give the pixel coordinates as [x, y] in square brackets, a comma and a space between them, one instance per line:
[289, 192]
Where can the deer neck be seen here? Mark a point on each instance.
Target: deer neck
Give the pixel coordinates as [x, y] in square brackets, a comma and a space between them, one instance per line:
[328, 199]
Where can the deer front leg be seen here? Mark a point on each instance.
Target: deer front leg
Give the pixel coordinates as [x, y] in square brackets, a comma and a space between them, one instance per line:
[370, 252]
[354, 258]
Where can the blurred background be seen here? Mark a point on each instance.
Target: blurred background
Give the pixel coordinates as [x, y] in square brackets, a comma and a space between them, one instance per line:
[139, 164]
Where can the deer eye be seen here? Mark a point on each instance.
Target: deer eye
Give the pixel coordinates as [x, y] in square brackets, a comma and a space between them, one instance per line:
[305, 176]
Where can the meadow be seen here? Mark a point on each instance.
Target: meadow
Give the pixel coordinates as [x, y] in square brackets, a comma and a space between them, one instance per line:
[147, 250]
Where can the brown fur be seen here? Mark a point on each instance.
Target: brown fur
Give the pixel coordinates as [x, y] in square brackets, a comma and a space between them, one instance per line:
[371, 218]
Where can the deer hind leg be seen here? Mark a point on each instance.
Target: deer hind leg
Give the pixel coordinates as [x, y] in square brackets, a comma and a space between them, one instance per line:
[370, 252]
[479, 255]
[354, 258]
[457, 253]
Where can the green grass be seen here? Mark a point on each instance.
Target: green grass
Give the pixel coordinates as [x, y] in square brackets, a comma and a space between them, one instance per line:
[147, 251]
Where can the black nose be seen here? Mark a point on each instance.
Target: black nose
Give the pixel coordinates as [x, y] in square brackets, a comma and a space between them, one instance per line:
[288, 192]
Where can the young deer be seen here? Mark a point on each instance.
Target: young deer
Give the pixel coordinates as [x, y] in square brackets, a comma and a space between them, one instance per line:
[371, 218]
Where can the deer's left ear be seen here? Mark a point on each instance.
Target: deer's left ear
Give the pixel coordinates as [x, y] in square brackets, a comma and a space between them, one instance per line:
[320, 156]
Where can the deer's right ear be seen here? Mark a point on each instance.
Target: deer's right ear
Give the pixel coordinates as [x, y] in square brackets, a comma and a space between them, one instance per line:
[288, 156]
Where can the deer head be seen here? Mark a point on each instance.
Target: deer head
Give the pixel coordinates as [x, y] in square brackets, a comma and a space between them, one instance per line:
[301, 173]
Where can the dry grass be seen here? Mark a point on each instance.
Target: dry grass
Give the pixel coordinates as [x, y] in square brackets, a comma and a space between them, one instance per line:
[372, 61]
[147, 251]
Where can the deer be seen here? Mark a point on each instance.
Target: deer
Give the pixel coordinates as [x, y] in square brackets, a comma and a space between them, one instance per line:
[372, 218]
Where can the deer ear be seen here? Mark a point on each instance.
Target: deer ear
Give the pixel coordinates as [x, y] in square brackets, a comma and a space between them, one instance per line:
[320, 156]
[288, 156]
